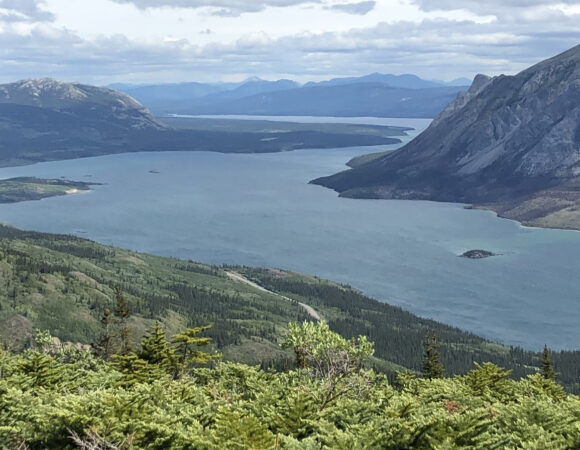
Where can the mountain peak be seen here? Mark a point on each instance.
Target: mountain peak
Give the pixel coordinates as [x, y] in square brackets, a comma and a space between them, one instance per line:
[252, 79]
[49, 93]
[512, 142]
[36, 89]
[55, 94]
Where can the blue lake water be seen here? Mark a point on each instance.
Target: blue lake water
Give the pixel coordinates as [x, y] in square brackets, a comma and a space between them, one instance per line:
[259, 210]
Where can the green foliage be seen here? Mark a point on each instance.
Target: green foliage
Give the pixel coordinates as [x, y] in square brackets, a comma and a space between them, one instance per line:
[432, 367]
[325, 352]
[156, 349]
[329, 358]
[39, 369]
[157, 358]
[548, 371]
[64, 283]
[121, 312]
[104, 345]
[488, 379]
[186, 343]
[62, 402]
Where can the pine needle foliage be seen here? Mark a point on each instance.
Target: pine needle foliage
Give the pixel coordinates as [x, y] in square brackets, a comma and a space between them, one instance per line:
[432, 366]
[548, 371]
[74, 400]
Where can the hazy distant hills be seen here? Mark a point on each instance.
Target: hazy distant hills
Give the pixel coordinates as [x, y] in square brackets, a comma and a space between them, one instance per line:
[360, 99]
[169, 98]
[46, 119]
[380, 95]
[408, 81]
[511, 143]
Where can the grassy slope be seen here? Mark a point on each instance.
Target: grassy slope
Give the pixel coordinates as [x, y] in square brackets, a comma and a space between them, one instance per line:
[361, 160]
[63, 283]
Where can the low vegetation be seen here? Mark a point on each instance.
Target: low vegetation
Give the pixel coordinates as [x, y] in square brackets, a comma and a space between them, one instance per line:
[161, 397]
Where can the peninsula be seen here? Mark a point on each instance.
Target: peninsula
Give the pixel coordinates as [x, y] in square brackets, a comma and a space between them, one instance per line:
[21, 189]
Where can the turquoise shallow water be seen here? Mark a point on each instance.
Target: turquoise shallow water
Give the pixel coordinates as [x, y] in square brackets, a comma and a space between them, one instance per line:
[259, 210]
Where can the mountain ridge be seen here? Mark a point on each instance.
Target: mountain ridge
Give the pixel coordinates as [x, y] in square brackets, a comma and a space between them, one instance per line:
[369, 99]
[407, 94]
[45, 119]
[510, 144]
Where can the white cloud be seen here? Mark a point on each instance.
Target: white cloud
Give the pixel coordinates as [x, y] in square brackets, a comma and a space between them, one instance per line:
[156, 45]
[24, 11]
[493, 7]
[360, 8]
[217, 7]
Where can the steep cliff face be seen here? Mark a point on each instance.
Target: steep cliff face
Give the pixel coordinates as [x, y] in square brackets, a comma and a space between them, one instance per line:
[508, 141]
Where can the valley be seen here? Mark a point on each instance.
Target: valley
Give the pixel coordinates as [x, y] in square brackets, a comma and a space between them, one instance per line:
[258, 210]
[289, 225]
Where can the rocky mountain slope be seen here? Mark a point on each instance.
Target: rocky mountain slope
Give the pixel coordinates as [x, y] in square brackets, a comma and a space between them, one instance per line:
[510, 143]
[78, 98]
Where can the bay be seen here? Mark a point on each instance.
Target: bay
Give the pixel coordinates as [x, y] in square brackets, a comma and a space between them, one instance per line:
[259, 210]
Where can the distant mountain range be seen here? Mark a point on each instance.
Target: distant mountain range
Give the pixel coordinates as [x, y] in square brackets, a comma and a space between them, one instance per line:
[46, 119]
[510, 143]
[408, 81]
[380, 95]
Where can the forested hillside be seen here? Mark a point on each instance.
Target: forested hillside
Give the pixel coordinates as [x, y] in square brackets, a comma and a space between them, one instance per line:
[63, 284]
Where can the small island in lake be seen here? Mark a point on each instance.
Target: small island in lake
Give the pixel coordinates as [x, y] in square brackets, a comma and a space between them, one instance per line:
[477, 254]
[21, 189]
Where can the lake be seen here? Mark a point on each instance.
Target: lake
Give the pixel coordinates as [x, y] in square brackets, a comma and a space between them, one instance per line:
[259, 210]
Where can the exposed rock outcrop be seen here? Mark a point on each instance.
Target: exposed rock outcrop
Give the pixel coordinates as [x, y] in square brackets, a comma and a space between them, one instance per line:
[510, 143]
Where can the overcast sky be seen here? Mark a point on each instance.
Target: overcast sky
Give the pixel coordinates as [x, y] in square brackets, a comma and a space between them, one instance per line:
[141, 41]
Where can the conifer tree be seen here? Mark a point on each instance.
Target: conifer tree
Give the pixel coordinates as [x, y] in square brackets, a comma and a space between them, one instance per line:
[156, 349]
[548, 371]
[103, 347]
[41, 369]
[187, 340]
[432, 366]
[122, 314]
[135, 370]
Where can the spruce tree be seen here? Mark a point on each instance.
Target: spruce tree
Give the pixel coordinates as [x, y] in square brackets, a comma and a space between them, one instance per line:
[41, 368]
[548, 371]
[135, 370]
[156, 350]
[122, 313]
[432, 366]
[186, 341]
[103, 347]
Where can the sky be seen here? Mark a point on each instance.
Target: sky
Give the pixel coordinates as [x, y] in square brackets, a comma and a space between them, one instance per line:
[155, 41]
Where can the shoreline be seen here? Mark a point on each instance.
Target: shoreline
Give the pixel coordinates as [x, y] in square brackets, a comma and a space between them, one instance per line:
[521, 224]
[467, 206]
